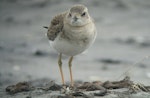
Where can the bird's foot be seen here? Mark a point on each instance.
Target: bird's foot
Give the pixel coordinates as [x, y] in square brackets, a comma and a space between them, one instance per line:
[67, 89]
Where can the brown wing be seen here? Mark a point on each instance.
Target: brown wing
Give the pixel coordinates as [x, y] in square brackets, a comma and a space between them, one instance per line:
[56, 26]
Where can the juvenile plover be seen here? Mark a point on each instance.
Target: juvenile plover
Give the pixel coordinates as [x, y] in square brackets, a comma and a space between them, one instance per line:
[71, 33]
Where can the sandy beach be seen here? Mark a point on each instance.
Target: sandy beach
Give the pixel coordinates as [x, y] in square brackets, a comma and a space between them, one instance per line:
[122, 46]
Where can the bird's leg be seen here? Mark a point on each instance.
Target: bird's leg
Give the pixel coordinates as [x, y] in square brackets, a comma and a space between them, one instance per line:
[60, 68]
[70, 65]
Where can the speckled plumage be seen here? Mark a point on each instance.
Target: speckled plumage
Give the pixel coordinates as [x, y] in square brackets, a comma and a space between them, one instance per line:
[77, 8]
[56, 26]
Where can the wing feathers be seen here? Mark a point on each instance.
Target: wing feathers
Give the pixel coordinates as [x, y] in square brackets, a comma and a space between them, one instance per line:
[56, 26]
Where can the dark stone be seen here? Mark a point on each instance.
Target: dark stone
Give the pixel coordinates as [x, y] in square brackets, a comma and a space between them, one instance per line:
[39, 53]
[110, 61]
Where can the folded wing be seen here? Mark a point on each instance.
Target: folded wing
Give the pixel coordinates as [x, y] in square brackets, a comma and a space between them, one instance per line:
[56, 26]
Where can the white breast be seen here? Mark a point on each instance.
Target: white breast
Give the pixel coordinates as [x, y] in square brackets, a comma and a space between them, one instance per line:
[77, 46]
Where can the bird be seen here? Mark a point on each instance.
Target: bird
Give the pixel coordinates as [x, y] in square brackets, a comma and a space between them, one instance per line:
[70, 33]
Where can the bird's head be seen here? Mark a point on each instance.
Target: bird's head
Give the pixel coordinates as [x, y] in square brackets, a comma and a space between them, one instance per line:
[78, 16]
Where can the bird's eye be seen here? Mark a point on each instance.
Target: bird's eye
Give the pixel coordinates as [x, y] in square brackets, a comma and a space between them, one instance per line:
[70, 14]
[83, 14]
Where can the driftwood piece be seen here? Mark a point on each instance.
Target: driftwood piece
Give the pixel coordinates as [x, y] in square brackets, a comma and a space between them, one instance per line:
[125, 83]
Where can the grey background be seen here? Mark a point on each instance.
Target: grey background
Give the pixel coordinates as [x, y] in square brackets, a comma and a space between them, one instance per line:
[123, 39]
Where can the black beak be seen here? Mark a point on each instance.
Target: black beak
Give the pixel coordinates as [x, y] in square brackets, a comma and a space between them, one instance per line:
[75, 18]
[45, 27]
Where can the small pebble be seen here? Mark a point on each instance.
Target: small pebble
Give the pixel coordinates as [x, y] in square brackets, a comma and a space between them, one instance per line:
[16, 68]
[39, 53]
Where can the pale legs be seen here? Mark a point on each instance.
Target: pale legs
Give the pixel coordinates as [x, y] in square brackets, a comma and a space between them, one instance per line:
[60, 68]
[70, 70]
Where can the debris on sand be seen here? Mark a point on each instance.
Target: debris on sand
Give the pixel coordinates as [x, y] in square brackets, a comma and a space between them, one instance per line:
[87, 86]
[84, 90]
[51, 86]
[19, 87]
[125, 83]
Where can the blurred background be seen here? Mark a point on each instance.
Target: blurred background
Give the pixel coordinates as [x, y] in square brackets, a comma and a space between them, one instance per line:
[123, 39]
